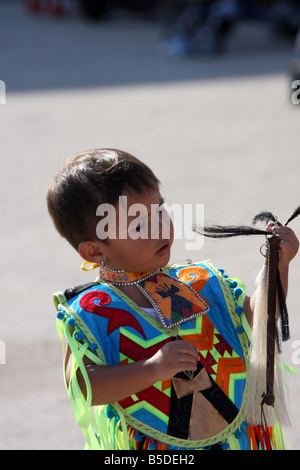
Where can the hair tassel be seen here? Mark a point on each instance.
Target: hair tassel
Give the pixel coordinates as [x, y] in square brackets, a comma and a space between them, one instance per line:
[257, 378]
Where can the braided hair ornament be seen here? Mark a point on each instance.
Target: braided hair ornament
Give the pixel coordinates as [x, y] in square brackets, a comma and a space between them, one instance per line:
[264, 383]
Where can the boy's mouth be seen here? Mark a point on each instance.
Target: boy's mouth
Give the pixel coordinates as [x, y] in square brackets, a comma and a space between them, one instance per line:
[164, 249]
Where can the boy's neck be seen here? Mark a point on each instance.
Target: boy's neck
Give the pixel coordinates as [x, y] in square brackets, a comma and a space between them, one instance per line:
[124, 278]
[136, 295]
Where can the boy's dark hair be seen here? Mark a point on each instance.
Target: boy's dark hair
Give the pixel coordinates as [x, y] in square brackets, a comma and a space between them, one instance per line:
[89, 179]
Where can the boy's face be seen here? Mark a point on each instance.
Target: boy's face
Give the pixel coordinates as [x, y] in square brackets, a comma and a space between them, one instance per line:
[144, 234]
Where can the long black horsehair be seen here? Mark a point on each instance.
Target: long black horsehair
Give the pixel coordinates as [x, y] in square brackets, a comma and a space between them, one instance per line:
[293, 216]
[227, 231]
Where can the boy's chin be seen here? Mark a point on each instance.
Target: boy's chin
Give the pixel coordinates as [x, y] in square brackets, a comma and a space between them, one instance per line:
[162, 261]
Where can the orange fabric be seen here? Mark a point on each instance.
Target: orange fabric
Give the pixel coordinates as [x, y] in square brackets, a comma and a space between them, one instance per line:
[160, 287]
[252, 438]
[188, 274]
[227, 366]
[203, 341]
[260, 437]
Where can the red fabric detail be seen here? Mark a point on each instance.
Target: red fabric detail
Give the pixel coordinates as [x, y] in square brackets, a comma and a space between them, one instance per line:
[259, 436]
[267, 440]
[208, 362]
[136, 352]
[263, 435]
[151, 395]
[117, 317]
[103, 298]
[222, 346]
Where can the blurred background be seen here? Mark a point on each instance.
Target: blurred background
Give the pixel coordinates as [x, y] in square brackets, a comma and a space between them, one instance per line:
[202, 91]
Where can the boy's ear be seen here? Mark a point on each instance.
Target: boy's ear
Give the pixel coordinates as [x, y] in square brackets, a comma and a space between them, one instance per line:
[91, 251]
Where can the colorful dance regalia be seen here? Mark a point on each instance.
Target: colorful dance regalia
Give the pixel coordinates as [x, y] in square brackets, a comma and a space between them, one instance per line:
[200, 410]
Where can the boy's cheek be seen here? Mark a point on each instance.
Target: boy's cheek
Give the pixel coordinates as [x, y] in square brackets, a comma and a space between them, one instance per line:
[165, 230]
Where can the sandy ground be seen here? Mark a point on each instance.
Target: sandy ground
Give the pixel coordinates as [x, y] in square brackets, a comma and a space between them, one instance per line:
[217, 131]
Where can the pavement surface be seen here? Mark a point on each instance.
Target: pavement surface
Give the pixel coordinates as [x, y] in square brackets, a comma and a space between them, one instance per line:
[218, 131]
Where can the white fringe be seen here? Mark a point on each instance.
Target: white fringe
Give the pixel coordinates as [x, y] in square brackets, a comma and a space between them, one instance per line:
[257, 360]
[257, 357]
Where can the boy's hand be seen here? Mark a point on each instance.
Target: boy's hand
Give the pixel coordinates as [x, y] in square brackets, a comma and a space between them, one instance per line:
[174, 357]
[288, 246]
[114, 383]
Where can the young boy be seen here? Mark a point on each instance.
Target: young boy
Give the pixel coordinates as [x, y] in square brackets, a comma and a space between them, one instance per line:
[158, 351]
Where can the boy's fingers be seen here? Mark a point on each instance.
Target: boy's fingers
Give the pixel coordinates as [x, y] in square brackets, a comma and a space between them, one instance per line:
[285, 233]
[186, 348]
[288, 240]
[188, 366]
